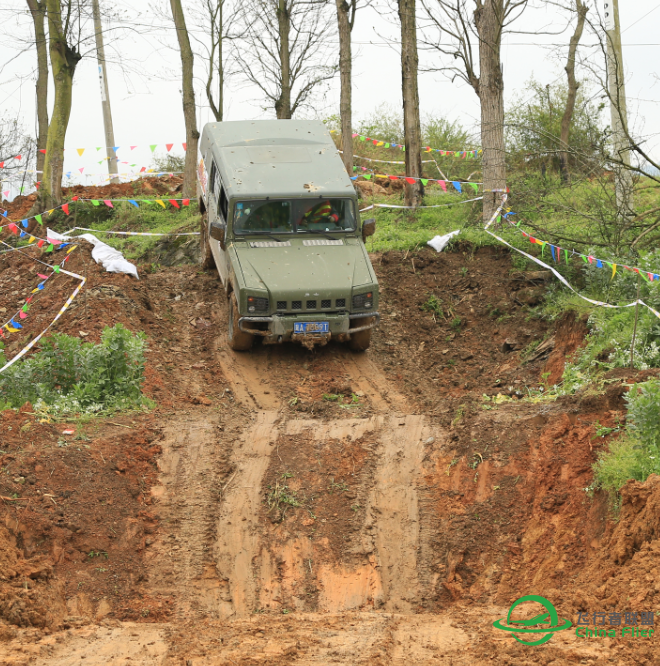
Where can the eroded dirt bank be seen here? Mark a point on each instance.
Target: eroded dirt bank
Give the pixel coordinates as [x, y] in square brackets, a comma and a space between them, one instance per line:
[284, 507]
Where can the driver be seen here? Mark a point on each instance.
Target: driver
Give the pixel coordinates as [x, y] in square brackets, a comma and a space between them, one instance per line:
[320, 213]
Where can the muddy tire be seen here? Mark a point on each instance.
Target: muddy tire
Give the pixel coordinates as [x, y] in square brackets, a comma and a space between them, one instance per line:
[238, 340]
[206, 256]
[360, 341]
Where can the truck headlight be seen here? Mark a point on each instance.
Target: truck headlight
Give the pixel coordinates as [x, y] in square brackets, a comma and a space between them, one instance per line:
[257, 304]
[363, 301]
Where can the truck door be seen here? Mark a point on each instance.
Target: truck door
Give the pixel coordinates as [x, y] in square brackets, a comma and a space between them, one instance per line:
[218, 210]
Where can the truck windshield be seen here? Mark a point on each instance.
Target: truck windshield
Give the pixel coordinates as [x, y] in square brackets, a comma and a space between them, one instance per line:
[291, 215]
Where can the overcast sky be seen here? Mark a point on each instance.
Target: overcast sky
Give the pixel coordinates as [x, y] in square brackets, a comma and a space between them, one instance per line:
[146, 102]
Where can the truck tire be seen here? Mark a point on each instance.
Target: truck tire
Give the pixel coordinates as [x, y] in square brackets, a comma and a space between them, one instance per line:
[206, 256]
[361, 340]
[238, 340]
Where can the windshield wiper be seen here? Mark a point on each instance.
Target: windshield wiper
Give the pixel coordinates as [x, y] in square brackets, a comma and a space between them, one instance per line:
[316, 231]
[263, 233]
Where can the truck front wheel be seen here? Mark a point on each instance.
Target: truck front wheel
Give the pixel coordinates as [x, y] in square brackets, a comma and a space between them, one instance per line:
[238, 340]
[361, 340]
[206, 258]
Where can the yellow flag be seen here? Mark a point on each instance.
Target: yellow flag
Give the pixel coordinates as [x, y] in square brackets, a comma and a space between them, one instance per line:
[158, 201]
[31, 239]
[71, 249]
[380, 143]
[11, 329]
[80, 151]
[613, 271]
[51, 210]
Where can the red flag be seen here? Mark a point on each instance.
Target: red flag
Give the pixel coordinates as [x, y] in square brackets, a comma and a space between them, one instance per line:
[74, 199]
[185, 147]
[393, 177]
[186, 202]
[18, 157]
[40, 243]
[410, 180]
[174, 203]
[13, 228]
[169, 146]
[108, 203]
[65, 208]
[532, 239]
[37, 184]
[2, 165]
[42, 151]
[143, 169]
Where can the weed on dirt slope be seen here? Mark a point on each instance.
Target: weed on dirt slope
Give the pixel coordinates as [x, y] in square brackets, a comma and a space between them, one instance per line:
[284, 506]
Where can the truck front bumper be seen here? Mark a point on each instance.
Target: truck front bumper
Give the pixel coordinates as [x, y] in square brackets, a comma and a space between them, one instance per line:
[279, 328]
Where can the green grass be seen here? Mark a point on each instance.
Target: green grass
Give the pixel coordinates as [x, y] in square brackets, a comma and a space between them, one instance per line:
[125, 217]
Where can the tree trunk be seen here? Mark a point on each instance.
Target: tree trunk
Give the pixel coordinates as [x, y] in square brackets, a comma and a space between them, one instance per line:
[411, 124]
[63, 61]
[489, 17]
[283, 104]
[581, 10]
[38, 11]
[345, 103]
[189, 107]
[216, 20]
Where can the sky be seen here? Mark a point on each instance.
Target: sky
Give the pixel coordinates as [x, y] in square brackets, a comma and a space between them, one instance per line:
[144, 80]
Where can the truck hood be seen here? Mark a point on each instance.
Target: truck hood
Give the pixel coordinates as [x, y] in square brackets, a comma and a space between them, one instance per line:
[301, 271]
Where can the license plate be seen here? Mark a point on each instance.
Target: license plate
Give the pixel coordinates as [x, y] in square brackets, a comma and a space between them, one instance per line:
[311, 327]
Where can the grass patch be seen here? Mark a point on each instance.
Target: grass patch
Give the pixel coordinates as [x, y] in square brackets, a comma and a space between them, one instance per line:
[150, 218]
[69, 376]
[636, 454]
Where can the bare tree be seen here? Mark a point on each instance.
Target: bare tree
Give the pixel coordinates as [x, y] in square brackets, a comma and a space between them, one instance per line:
[581, 10]
[64, 24]
[189, 108]
[218, 22]
[345, 21]
[38, 12]
[286, 50]
[478, 22]
[411, 123]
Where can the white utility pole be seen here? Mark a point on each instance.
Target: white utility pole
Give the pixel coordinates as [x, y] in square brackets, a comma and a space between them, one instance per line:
[619, 113]
[105, 94]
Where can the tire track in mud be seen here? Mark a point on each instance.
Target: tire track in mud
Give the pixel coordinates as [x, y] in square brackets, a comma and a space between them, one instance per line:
[264, 377]
[190, 475]
[237, 526]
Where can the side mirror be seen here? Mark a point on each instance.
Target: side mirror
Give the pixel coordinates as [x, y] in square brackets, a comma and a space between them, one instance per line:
[217, 232]
[368, 228]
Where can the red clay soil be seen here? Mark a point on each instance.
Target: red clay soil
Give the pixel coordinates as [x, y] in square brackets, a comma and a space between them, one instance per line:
[499, 486]
[150, 186]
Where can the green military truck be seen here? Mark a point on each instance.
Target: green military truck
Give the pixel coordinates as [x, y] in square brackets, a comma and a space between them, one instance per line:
[280, 222]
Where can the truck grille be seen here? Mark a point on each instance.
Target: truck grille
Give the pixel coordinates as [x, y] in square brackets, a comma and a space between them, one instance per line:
[326, 304]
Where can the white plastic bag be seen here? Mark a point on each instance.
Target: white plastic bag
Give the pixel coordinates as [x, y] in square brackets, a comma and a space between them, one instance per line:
[438, 243]
[112, 260]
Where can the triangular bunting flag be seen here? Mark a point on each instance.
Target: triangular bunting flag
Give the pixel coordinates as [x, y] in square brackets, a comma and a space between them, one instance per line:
[169, 146]
[185, 146]
[153, 147]
[80, 151]
[174, 202]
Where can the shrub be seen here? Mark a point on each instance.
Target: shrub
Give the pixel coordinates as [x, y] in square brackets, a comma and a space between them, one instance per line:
[68, 375]
[636, 455]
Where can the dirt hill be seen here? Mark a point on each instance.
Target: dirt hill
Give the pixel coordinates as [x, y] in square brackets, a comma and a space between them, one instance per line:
[285, 506]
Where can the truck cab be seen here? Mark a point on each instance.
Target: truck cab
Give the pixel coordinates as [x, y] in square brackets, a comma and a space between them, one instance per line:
[281, 224]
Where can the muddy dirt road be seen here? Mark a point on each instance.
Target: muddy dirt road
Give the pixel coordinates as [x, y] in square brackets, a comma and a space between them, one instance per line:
[332, 507]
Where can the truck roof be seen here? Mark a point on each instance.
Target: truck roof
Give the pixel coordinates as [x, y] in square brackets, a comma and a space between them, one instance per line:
[276, 158]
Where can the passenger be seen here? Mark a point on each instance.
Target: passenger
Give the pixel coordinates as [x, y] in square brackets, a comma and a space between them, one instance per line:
[319, 214]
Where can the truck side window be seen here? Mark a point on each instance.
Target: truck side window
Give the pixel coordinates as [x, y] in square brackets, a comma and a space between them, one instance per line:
[214, 172]
[224, 204]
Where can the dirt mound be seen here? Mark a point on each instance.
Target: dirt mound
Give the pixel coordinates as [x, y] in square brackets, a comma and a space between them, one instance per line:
[147, 186]
[570, 333]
